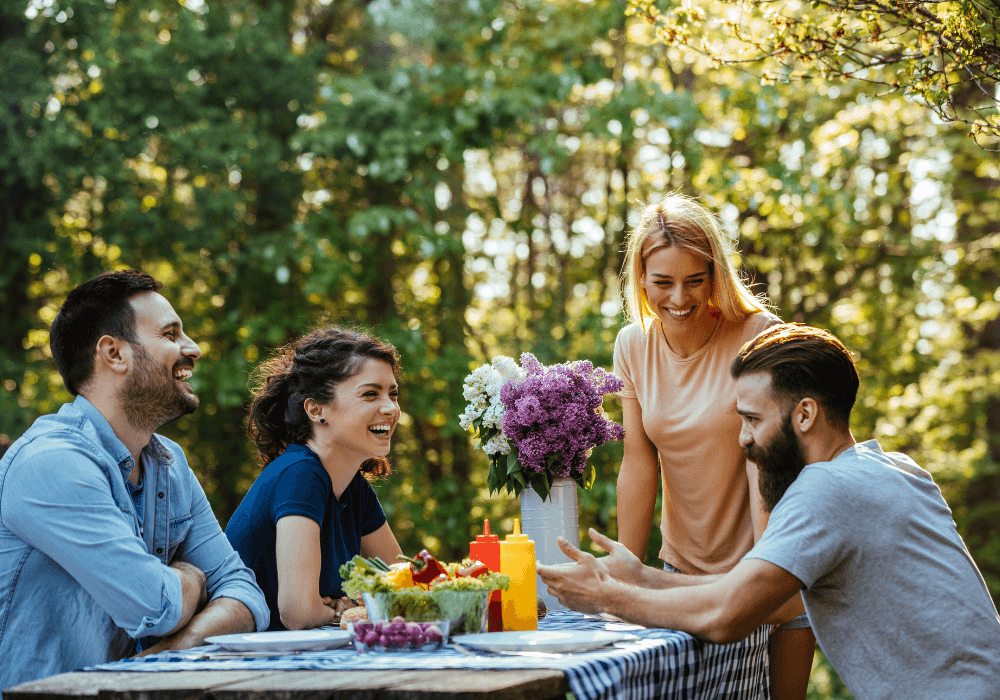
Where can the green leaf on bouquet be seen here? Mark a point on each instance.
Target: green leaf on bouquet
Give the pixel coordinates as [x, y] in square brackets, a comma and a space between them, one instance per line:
[543, 485]
[589, 475]
[518, 477]
[513, 461]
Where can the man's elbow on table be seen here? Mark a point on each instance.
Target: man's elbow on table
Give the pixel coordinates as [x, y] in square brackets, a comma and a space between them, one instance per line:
[743, 600]
[726, 626]
[720, 612]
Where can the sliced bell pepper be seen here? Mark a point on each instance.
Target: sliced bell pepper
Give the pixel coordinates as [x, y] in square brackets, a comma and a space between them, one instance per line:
[473, 570]
[425, 567]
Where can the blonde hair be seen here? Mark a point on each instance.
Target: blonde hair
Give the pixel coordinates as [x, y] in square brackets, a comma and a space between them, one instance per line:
[683, 222]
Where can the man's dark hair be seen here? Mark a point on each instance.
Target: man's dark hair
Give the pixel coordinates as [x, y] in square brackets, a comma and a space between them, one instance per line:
[96, 308]
[803, 362]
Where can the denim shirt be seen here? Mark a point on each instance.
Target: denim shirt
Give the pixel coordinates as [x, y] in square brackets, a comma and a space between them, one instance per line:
[81, 575]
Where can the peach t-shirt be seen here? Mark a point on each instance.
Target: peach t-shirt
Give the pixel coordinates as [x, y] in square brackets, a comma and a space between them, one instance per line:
[689, 413]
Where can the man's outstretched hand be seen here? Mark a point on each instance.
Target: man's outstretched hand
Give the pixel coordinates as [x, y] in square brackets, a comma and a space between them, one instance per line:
[620, 562]
[588, 584]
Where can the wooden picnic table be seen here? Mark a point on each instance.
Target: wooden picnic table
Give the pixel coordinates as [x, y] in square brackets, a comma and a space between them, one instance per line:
[451, 684]
[647, 662]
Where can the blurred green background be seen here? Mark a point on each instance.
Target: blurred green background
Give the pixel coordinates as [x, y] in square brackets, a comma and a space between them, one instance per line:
[458, 176]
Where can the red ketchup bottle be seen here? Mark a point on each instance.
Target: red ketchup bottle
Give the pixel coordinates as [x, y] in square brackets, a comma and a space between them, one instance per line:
[486, 549]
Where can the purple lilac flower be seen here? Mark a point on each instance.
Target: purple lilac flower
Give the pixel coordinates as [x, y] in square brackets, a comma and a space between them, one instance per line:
[529, 410]
[553, 411]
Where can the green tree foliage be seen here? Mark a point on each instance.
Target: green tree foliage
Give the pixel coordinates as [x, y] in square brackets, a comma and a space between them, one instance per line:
[946, 55]
[458, 176]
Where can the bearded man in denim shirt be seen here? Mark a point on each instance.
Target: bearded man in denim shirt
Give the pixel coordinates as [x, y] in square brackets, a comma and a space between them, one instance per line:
[106, 536]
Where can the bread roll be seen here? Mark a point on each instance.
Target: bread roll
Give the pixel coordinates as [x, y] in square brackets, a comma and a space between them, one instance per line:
[358, 613]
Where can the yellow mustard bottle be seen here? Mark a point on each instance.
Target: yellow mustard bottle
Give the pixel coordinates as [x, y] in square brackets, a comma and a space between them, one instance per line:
[520, 601]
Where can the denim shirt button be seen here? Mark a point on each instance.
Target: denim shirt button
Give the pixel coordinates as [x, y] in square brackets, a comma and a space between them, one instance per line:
[159, 550]
[160, 494]
[149, 624]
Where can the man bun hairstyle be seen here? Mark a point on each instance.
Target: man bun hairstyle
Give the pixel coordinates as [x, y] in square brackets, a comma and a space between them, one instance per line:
[803, 361]
[309, 368]
[96, 308]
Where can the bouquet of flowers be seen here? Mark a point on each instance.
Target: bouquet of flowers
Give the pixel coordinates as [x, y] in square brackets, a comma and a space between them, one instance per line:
[536, 423]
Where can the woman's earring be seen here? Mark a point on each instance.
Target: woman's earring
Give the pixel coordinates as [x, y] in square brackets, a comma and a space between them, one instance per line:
[713, 310]
[322, 420]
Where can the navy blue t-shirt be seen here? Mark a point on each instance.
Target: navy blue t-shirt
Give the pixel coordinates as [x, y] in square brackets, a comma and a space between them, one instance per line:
[297, 484]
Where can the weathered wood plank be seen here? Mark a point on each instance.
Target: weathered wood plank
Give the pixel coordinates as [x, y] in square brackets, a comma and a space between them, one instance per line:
[509, 685]
[90, 685]
[455, 684]
[452, 684]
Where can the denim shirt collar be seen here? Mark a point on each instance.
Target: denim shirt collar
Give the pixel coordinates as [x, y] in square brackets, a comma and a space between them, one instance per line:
[115, 447]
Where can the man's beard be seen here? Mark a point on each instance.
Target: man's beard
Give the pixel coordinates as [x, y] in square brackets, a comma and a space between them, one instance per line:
[780, 463]
[150, 398]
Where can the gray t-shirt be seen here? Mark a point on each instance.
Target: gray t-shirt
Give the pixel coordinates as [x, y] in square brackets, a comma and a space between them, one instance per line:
[894, 598]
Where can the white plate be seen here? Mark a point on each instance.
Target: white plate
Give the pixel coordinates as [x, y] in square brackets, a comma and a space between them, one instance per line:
[304, 640]
[551, 641]
[622, 627]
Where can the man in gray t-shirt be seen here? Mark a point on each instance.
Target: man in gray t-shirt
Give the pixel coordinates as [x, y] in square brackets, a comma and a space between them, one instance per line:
[893, 596]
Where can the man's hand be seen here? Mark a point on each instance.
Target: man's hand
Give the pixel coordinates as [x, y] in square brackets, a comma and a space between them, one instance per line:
[193, 591]
[221, 616]
[584, 586]
[620, 562]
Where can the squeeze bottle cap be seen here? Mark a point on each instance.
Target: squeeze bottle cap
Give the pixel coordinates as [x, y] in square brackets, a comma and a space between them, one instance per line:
[486, 536]
[516, 536]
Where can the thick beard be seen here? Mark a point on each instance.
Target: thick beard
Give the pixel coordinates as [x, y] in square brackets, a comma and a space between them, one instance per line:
[780, 463]
[150, 400]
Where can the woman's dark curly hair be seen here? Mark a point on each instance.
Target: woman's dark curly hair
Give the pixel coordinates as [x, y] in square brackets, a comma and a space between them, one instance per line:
[309, 368]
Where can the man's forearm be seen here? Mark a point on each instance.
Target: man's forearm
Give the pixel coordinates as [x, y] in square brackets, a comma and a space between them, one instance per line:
[221, 616]
[660, 579]
[671, 609]
[720, 609]
[701, 610]
[654, 577]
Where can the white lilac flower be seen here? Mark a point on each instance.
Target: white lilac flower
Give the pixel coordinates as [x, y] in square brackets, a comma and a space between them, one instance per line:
[480, 403]
[507, 368]
[482, 378]
[493, 390]
[497, 444]
[465, 419]
[493, 415]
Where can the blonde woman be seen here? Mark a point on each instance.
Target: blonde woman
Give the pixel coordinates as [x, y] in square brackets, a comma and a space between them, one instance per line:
[690, 314]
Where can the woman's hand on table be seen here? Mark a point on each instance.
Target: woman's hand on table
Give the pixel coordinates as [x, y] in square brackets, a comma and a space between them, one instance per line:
[338, 605]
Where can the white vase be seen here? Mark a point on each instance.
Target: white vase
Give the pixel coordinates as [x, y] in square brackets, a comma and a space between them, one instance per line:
[544, 521]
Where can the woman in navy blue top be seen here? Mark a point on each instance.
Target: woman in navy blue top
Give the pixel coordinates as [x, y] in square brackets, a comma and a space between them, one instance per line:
[322, 419]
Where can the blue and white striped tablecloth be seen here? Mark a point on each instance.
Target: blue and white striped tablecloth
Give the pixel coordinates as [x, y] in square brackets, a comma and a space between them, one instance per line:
[662, 664]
